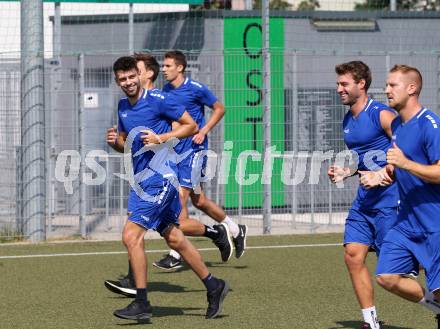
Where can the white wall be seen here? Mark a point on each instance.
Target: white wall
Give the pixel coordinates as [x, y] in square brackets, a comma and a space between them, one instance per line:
[10, 20]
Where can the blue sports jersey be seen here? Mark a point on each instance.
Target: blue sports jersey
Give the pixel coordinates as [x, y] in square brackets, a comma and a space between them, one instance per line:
[419, 140]
[194, 96]
[365, 135]
[153, 111]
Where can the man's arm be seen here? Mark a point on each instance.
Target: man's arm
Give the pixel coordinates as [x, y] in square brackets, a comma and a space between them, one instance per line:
[428, 173]
[115, 140]
[217, 115]
[386, 117]
[187, 127]
[382, 177]
[338, 174]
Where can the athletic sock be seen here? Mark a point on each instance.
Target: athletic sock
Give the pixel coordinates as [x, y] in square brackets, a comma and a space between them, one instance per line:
[370, 317]
[430, 303]
[130, 272]
[211, 282]
[175, 254]
[141, 295]
[233, 227]
[210, 233]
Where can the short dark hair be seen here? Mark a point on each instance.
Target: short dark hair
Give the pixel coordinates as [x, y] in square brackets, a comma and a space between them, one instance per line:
[178, 57]
[359, 70]
[405, 69]
[124, 63]
[150, 63]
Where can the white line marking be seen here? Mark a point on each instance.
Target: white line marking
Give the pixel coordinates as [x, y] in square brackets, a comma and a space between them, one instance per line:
[166, 250]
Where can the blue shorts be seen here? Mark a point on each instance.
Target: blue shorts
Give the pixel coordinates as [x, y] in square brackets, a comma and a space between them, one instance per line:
[157, 215]
[369, 227]
[403, 251]
[192, 169]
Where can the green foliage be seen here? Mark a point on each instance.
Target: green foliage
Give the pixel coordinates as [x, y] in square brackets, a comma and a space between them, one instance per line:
[308, 5]
[9, 234]
[212, 5]
[274, 5]
[373, 5]
[401, 5]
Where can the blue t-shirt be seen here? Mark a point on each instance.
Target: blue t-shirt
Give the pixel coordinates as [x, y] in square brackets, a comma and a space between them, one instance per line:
[419, 140]
[153, 111]
[364, 135]
[193, 96]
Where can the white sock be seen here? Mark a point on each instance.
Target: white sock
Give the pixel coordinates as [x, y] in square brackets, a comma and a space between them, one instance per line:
[175, 254]
[233, 227]
[370, 317]
[430, 303]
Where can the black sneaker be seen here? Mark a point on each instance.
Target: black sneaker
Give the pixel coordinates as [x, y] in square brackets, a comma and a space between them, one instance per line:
[215, 300]
[124, 286]
[240, 241]
[135, 311]
[438, 320]
[224, 241]
[168, 263]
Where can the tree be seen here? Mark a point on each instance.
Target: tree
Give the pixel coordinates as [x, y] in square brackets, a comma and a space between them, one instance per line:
[274, 5]
[401, 5]
[373, 5]
[308, 5]
[212, 4]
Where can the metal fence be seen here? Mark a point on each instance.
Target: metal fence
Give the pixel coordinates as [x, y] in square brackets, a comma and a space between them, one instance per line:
[81, 101]
[84, 194]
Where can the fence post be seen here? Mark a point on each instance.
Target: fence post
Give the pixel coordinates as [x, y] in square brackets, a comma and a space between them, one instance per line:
[295, 110]
[130, 29]
[267, 170]
[32, 120]
[82, 187]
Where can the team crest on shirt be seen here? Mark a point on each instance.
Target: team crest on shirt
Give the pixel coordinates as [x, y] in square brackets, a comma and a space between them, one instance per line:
[346, 131]
[124, 114]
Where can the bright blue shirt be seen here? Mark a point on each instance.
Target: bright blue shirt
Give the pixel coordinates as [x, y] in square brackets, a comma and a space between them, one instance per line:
[153, 111]
[419, 140]
[194, 96]
[364, 135]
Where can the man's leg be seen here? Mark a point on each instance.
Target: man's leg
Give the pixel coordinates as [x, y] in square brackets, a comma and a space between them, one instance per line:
[437, 301]
[219, 234]
[406, 288]
[213, 210]
[358, 236]
[133, 239]
[410, 290]
[402, 253]
[217, 288]
[355, 255]
[125, 285]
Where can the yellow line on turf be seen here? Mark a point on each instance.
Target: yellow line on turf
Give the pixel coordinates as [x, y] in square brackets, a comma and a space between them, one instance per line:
[103, 253]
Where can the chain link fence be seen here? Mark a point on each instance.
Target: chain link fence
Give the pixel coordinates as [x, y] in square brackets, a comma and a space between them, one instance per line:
[84, 193]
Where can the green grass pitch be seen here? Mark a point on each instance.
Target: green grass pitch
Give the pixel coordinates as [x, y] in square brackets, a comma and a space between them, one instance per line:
[295, 288]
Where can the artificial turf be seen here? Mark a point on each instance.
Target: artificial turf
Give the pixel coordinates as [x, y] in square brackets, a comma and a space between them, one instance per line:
[298, 288]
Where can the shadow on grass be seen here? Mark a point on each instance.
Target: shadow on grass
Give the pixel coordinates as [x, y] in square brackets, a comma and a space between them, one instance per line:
[173, 288]
[358, 324]
[185, 267]
[163, 311]
[169, 287]
[162, 287]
